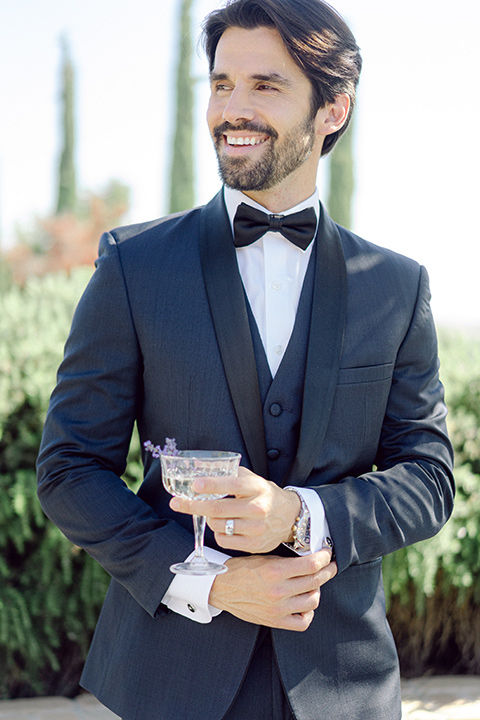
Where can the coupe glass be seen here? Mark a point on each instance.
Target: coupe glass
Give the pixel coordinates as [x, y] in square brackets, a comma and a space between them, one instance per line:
[178, 474]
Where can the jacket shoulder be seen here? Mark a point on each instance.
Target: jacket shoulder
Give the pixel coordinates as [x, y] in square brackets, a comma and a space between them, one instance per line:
[363, 254]
[154, 229]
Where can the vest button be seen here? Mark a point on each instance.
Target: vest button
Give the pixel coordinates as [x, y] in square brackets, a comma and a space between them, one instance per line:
[273, 454]
[276, 409]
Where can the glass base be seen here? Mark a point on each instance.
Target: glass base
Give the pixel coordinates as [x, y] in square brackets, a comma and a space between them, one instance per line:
[196, 568]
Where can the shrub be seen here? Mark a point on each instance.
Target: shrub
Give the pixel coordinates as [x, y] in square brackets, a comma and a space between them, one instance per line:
[51, 591]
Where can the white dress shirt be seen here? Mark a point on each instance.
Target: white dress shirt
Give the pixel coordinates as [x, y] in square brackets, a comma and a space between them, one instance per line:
[272, 271]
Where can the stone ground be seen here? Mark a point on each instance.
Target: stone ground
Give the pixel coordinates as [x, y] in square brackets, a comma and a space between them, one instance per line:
[451, 697]
[436, 698]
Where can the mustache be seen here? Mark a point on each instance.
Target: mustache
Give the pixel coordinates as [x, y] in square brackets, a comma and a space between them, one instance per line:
[225, 127]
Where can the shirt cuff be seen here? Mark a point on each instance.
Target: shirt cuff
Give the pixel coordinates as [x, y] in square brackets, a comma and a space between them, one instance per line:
[188, 595]
[319, 529]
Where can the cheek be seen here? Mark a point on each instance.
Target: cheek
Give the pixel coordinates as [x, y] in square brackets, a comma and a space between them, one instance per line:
[208, 117]
[214, 114]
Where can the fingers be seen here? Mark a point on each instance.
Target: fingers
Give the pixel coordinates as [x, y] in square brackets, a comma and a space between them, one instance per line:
[217, 510]
[308, 565]
[245, 484]
[263, 513]
[303, 592]
[296, 576]
[258, 507]
[269, 590]
[299, 622]
[310, 572]
[328, 573]
[300, 613]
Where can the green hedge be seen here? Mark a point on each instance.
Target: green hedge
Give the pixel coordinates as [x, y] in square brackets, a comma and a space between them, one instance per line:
[51, 591]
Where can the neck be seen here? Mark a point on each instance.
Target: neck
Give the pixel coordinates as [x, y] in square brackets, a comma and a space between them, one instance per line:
[276, 201]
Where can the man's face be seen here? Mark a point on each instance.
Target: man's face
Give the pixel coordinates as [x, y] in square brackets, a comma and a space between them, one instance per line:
[259, 113]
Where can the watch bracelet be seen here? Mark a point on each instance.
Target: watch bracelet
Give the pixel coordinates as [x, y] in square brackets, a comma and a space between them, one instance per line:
[301, 527]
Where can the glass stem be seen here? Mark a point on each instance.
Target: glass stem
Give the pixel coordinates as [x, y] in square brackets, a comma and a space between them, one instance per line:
[199, 530]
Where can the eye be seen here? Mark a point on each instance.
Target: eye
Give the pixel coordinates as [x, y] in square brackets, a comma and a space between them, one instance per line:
[267, 88]
[221, 88]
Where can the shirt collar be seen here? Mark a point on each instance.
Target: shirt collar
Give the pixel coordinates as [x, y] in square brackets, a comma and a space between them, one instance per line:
[233, 198]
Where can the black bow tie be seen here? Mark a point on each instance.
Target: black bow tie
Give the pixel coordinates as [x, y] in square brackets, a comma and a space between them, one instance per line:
[250, 224]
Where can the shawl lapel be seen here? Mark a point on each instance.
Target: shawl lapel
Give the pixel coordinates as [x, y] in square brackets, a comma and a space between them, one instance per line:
[227, 304]
[327, 330]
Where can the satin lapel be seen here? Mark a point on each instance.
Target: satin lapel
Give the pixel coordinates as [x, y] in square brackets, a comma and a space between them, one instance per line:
[227, 304]
[327, 328]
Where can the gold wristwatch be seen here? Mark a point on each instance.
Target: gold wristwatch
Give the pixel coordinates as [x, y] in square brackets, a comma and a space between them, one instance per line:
[301, 528]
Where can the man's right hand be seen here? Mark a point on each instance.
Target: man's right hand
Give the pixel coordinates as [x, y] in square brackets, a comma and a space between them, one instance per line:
[273, 591]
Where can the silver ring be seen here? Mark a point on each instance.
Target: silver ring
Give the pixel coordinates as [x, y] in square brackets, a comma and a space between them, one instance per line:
[229, 527]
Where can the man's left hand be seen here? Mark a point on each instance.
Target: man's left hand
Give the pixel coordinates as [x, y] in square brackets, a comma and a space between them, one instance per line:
[263, 513]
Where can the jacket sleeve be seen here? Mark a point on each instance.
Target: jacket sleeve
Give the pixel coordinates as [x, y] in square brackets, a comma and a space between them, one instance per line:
[86, 439]
[409, 495]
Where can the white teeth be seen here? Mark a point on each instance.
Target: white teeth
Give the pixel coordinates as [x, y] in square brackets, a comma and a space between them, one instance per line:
[244, 140]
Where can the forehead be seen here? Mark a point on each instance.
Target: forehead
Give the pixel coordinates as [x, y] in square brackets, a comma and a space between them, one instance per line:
[259, 51]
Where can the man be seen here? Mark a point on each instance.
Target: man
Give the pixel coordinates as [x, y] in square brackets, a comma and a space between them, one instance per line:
[317, 363]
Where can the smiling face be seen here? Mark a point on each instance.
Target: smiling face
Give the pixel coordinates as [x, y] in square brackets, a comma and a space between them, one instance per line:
[268, 143]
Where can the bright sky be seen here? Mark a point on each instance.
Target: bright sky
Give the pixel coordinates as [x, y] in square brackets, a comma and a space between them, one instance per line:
[417, 146]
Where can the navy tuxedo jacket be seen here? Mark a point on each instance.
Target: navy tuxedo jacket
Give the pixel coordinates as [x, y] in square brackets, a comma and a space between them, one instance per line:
[161, 336]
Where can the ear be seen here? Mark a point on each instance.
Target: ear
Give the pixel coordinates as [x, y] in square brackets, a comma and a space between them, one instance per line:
[333, 116]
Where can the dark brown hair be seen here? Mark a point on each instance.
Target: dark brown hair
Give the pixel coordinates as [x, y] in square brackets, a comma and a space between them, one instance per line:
[315, 35]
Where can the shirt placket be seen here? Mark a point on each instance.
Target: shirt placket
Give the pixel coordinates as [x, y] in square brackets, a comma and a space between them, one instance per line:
[279, 312]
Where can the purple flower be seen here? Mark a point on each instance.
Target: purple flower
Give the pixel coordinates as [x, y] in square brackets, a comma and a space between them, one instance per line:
[170, 447]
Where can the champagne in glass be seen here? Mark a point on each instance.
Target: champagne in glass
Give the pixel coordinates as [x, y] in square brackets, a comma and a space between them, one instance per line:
[178, 474]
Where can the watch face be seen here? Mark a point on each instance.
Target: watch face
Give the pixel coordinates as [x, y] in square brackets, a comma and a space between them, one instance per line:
[301, 529]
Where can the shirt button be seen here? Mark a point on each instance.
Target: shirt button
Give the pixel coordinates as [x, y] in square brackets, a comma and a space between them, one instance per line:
[273, 454]
[191, 608]
[276, 285]
[278, 349]
[276, 409]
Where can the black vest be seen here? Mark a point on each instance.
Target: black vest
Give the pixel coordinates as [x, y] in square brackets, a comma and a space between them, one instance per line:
[282, 396]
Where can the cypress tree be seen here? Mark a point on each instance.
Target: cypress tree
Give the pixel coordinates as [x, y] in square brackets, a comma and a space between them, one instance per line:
[182, 172]
[67, 190]
[341, 180]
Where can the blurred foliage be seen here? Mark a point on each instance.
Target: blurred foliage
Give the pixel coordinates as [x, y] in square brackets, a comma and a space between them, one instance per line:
[51, 592]
[182, 175]
[68, 240]
[67, 185]
[341, 185]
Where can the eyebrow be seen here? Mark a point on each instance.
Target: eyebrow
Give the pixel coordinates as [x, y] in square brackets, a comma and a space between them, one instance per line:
[273, 77]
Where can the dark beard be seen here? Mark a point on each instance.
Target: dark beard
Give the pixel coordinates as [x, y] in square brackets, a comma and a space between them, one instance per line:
[278, 160]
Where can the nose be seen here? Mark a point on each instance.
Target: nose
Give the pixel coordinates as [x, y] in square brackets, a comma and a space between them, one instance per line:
[239, 106]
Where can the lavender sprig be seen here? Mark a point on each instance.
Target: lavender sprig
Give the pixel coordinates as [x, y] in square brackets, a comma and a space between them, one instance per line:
[170, 447]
